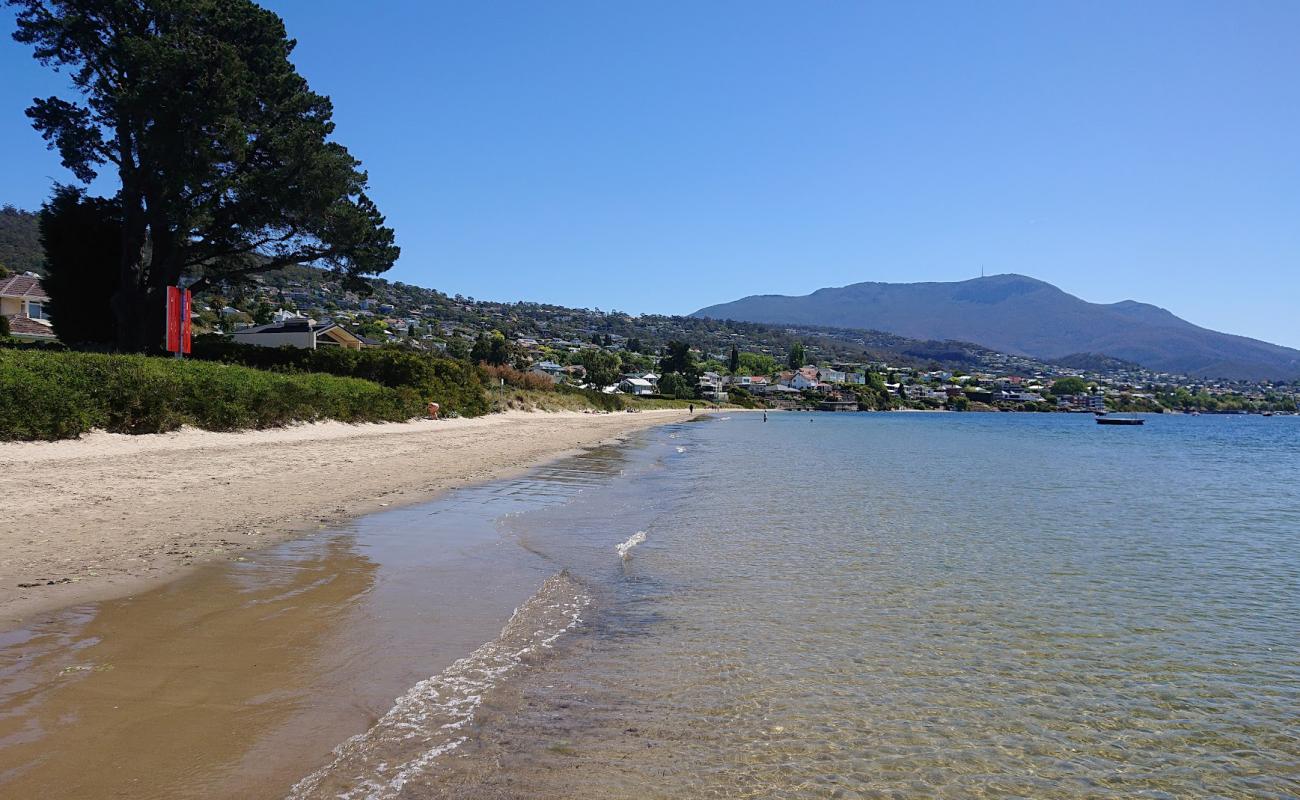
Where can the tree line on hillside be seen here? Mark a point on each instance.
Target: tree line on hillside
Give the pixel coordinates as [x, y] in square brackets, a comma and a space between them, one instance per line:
[20, 243]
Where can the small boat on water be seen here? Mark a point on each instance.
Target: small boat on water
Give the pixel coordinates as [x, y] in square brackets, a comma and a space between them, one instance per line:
[1120, 420]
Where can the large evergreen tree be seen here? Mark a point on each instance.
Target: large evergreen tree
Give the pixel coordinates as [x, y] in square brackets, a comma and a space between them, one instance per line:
[797, 357]
[679, 359]
[221, 150]
[82, 237]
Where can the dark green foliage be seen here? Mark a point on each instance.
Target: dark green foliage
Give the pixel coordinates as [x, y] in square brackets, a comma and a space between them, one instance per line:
[455, 385]
[493, 349]
[221, 149]
[679, 359]
[82, 237]
[739, 396]
[796, 357]
[20, 242]
[4, 326]
[602, 367]
[54, 395]
[873, 396]
[457, 349]
[1071, 385]
[733, 363]
[673, 384]
[758, 364]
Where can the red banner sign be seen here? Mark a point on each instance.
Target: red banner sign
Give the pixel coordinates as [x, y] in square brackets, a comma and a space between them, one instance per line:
[178, 320]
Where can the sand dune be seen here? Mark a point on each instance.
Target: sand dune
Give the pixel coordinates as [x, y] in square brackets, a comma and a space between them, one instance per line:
[109, 514]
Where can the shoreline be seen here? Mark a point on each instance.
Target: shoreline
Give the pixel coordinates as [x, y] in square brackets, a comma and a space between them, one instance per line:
[109, 515]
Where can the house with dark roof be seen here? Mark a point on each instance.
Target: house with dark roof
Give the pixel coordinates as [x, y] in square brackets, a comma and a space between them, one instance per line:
[299, 332]
[23, 302]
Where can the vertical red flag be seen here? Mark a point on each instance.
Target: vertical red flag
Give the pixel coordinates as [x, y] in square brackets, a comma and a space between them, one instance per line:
[178, 320]
[185, 321]
[173, 319]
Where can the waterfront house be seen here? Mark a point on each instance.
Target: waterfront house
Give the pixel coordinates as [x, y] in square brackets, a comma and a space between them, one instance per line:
[637, 386]
[23, 302]
[711, 387]
[1081, 402]
[802, 380]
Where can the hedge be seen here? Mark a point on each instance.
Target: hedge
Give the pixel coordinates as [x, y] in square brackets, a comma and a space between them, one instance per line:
[52, 395]
[456, 386]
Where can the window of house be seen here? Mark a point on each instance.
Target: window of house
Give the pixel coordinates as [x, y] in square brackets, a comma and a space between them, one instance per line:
[35, 310]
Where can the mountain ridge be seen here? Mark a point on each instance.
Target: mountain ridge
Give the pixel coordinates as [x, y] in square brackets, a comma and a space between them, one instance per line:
[1027, 316]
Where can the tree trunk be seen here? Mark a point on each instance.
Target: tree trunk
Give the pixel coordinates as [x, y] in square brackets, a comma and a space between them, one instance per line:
[132, 303]
[140, 314]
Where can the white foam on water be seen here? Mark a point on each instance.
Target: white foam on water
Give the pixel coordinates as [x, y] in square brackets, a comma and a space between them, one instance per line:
[624, 550]
[681, 449]
[425, 723]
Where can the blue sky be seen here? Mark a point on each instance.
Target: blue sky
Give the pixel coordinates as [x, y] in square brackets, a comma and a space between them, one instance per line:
[669, 155]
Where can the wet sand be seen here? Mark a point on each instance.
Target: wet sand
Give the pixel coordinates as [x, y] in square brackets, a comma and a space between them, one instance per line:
[239, 678]
[109, 515]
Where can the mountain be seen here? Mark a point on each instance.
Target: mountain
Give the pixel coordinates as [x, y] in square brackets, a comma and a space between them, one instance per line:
[1018, 314]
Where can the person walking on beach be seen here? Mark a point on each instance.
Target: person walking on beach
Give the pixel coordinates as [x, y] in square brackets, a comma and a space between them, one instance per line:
[692, 407]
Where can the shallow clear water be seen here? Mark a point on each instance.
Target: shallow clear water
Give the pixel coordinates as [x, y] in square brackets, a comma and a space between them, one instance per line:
[908, 605]
[857, 605]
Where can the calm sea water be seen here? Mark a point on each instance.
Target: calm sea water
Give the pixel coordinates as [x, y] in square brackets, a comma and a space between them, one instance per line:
[887, 605]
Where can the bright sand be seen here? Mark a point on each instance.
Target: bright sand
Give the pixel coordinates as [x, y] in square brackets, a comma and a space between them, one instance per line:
[109, 514]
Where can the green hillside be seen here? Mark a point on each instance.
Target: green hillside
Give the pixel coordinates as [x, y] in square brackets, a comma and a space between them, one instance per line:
[20, 241]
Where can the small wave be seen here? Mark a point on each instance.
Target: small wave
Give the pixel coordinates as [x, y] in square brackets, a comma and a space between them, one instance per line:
[681, 449]
[426, 722]
[624, 550]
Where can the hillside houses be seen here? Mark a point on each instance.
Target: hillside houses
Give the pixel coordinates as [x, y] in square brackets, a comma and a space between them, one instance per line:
[551, 340]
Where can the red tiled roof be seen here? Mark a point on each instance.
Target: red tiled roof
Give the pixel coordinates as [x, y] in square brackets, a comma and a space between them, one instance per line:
[23, 286]
[23, 325]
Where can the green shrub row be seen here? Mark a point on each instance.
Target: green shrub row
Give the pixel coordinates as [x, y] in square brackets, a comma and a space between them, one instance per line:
[455, 385]
[52, 395]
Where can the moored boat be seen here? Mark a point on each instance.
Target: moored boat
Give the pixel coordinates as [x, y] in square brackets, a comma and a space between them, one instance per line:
[1120, 420]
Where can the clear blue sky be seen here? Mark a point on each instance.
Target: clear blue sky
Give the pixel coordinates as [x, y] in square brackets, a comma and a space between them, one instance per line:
[663, 156]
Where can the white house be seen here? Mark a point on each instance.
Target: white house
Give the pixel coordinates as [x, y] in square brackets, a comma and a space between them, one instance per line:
[637, 386]
[711, 386]
[802, 380]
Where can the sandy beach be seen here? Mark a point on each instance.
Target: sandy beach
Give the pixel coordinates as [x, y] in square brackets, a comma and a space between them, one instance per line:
[108, 515]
